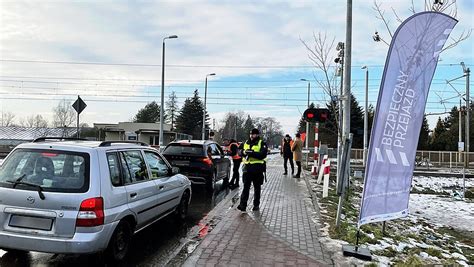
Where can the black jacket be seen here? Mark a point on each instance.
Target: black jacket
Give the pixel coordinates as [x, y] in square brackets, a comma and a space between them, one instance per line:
[262, 154]
[286, 149]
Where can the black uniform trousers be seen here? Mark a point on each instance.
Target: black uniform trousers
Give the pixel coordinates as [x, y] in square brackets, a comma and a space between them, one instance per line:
[249, 178]
[235, 171]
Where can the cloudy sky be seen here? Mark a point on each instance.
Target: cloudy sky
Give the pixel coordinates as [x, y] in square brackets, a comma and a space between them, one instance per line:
[110, 53]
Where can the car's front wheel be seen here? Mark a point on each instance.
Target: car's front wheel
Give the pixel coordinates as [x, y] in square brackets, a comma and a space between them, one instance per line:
[120, 242]
[182, 209]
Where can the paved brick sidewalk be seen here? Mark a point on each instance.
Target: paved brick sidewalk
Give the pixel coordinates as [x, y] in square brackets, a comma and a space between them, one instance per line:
[281, 234]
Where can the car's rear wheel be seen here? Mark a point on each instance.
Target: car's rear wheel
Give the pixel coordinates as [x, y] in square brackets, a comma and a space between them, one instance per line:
[182, 209]
[120, 242]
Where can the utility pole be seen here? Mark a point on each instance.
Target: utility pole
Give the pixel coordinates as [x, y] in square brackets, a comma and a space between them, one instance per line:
[467, 72]
[347, 73]
[340, 59]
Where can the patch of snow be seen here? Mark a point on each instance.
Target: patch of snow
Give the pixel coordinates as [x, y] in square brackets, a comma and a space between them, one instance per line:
[418, 244]
[443, 211]
[402, 245]
[371, 236]
[446, 255]
[463, 263]
[440, 184]
[459, 256]
[424, 255]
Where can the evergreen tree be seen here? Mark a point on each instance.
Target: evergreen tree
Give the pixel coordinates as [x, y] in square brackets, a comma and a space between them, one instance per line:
[357, 123]
[439, 134]
[424, 141]
[172, 108]
[248, 126]
[328, 131]
[189, 120]
[150, 113]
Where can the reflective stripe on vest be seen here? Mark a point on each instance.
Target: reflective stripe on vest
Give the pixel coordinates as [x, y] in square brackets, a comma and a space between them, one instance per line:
[255, 148]
[236, 156]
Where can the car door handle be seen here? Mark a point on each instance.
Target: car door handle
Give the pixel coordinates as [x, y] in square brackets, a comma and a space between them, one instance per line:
[132, 195]
[161, 187]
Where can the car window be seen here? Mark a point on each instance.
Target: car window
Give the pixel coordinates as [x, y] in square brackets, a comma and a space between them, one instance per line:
[57, 171]
[214, 150]
[125, 169]
[135, 165]
[114, 168]
[220, 149]
[183, 149]
[157, 165]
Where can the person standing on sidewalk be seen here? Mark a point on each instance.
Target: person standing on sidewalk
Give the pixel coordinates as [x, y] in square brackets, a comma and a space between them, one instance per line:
[236, 160]
[285, 151]
[297, 149]
[254, 152]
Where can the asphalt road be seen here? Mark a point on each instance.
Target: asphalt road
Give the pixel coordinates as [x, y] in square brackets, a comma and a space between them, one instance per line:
[153, 246]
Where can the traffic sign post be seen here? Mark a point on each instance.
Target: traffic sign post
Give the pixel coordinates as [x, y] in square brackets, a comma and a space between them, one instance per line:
[79, 105]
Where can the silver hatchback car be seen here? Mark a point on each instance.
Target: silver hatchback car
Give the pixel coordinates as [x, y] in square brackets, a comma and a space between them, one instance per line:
[84, 196]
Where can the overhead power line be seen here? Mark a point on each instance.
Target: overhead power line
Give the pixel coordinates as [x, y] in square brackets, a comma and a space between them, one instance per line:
[180, 66]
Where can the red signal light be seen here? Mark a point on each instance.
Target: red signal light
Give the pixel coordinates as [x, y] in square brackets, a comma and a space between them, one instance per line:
[310, 115]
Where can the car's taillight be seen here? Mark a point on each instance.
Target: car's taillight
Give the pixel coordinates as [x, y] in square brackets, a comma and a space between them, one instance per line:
[91, 212]
[207, 161]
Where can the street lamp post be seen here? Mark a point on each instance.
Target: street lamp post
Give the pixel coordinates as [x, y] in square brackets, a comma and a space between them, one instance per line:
[204, 112]
[162, 110]
[366, 115]
[307, 123]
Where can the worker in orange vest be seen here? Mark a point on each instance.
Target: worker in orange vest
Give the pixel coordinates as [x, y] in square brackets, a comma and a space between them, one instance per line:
[287, 154]
[236, 160]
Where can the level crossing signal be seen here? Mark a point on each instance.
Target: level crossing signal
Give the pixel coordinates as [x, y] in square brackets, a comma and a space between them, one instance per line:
[320, 115]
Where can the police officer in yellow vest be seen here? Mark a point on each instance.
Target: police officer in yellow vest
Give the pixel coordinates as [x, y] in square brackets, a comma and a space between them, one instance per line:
[254, 151]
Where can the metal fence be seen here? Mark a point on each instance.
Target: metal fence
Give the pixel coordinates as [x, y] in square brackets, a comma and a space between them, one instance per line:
[430, 158]
[451, 159]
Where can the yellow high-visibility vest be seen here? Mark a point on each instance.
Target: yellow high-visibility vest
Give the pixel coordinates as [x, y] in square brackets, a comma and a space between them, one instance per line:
[255, 148]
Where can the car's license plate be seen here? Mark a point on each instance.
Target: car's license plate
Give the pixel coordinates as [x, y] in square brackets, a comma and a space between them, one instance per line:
[181, 163]
[30, 222]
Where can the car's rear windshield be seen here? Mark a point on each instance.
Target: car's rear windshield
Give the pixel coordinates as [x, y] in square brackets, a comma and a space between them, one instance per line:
[53, 170]
[184, 149]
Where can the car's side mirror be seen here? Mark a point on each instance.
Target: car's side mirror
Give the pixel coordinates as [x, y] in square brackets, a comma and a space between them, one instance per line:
[174, 170]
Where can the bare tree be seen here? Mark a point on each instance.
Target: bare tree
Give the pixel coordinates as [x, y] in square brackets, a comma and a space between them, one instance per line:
[35, 121]
[8, 119]
[448, 7]
[322, 53]
[64, 114]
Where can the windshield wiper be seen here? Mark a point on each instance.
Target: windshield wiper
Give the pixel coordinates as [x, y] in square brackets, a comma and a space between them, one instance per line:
[19, 181]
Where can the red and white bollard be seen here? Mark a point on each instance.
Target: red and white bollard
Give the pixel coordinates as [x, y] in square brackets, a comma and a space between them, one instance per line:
[323, 164]
[314, 170]
[326, 169]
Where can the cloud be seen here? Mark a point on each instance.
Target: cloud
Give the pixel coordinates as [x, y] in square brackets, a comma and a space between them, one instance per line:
[211, 33]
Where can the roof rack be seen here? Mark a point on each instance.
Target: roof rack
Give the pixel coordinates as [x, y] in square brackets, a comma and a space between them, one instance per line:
[109, 143]
[43, 139]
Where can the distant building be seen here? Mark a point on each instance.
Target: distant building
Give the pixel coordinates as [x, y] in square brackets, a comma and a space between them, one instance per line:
[11, 136]
[134, 131]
